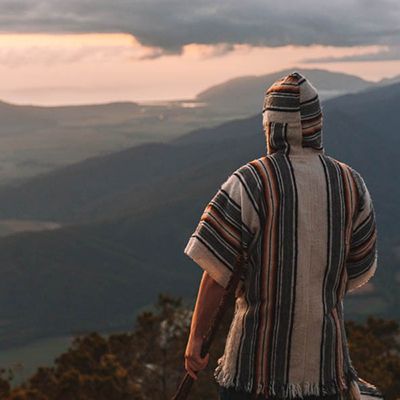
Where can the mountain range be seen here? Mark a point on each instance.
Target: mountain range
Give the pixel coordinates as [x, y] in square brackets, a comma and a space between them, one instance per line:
[37, 139]
[125, 218]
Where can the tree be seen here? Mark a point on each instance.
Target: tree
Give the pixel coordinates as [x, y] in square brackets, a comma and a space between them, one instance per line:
[148, 363]
[375, 352]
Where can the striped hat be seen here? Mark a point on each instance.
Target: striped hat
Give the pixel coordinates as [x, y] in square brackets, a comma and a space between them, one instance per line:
[292, 102]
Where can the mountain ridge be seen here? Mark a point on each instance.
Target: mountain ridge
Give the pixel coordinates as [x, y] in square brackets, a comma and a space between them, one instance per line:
[123, 237]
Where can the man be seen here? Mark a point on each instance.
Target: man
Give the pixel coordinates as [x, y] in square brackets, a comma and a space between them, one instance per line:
[308, 223]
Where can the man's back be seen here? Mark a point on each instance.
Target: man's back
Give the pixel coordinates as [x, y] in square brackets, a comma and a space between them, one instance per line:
[309, 225]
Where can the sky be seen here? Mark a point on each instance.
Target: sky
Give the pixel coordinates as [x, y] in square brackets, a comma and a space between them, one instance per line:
[55, 52]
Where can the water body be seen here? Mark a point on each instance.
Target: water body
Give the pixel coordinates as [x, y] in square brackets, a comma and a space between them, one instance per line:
[24, 360]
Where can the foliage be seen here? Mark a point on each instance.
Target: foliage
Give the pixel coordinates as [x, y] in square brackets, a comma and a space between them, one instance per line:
[148, 363]
[375, 352]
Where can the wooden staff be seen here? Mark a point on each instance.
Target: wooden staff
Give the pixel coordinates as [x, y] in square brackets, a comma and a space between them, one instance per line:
[186, 383]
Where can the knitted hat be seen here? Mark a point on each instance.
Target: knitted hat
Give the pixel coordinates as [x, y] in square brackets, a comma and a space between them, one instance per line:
[292, 101]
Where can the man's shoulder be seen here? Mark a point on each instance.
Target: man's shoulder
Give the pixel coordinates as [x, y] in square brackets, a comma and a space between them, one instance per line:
[249, 169]
[249, 174]
[345, 166]
[357, 178]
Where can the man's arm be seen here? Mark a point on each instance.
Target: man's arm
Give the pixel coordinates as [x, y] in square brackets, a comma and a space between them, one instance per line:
[362, 259]
[229, 223]
[208, 298]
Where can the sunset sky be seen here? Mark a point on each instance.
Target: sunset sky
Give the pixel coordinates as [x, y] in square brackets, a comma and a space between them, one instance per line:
[93, 51]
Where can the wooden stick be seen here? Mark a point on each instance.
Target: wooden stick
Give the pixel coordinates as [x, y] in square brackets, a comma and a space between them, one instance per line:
[186, 383]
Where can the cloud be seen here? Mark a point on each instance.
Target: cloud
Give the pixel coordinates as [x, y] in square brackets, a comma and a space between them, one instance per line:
[169, 25]
[389, 54]
[44, 49]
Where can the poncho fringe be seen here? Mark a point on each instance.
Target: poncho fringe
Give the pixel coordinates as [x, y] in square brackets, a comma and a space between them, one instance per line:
[289, 390]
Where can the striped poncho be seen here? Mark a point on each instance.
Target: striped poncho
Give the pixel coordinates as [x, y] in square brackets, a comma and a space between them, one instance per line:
[309, 225]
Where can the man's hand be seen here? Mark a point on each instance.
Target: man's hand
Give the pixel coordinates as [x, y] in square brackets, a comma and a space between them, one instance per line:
[193, 360]
[208, 299]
